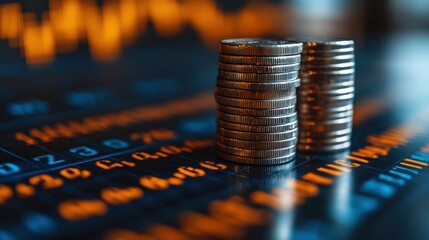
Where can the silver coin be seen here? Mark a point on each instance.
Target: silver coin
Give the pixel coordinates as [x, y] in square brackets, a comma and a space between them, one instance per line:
[324, 140]
[258, 77]
[308, 133]
[326, 122]
[321, 54]
[321, 86]
[262, 145]
[328, 52]
[327, 70]
[333, 134]
[305, 90]
[328, 107]
[328, 130]
[327, 60]
[258, 104]
[260, 121]
[307, 108]
[323, 149]
[264, 61]
[256, 161]
[323, 43]
[324, 129]
[326, 79]
[259, 47]
[320, 115]
[258, 129]
[322, 72]
[320, 103]
[256, 112]
[237, 93]
[270, 153]
[253, 86]
[259, 69]
[255, 136]
[320, 99]
[327, 67]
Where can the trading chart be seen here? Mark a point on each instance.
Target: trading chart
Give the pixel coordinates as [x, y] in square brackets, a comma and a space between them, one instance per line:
[108, 131]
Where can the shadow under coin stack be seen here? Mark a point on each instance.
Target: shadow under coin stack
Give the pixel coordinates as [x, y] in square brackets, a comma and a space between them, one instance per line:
[325, 97]
[256, 100]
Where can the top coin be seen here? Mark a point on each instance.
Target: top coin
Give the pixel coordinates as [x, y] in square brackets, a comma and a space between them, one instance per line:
[260, 61]
[259, 47]
[323, 43]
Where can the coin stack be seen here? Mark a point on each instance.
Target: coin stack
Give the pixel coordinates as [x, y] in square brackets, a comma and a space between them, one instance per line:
[256, 100]
[325, 97]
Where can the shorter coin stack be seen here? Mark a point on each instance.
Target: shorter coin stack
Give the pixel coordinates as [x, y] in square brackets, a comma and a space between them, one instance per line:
[325, 97]
[256, 99]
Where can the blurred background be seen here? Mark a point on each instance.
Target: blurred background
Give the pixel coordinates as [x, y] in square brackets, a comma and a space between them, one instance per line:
[40, 31]
[62, 54]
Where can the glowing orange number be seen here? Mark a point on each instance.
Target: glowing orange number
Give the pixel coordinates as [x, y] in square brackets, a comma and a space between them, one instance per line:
[118, 196]
[143, 156]
[154, 183]
[73, 173]
[46, 181]
[107, 164]
[191, 172]
[154, 135]
[196, 144]
[175, 150]
[24, 190]
[75, 210]
[5, 193]
[213, 166]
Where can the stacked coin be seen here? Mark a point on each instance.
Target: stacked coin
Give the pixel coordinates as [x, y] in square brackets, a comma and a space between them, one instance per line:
[256, 99]
[325, 97]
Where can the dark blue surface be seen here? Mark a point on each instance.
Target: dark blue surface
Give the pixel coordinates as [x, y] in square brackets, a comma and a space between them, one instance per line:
[368, 202]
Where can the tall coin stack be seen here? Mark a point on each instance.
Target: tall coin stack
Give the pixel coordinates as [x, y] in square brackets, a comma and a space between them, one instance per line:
[325, 97]
[256, 99]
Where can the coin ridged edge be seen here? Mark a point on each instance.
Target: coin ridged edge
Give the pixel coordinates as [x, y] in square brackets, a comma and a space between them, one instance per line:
[262, 95]
[240, 47]
[256, 161]
[276, 136]
[256, 112]
[241, 68]
[258, 129]
[260, 61]
[256, 153]
[258, 121]
[256, 145]
[259, 86]
[257, 104]
[258, 77]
